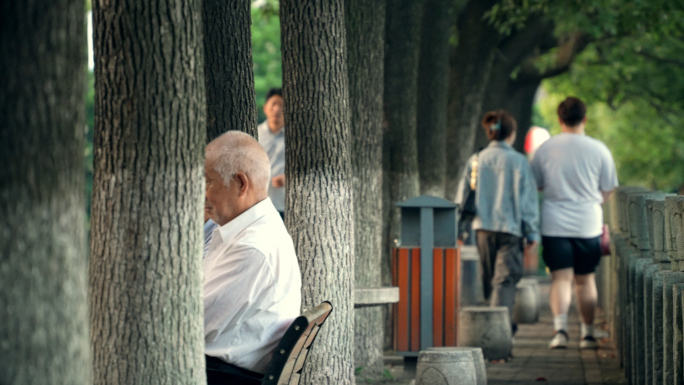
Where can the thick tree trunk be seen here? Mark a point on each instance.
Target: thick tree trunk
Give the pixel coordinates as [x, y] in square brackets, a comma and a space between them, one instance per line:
[515, 98]
[365, 26]
[231, 103]
[319, 210]
[510, 93]
[43, 286]
[520, 106]
[433, 75]
[402, 40]
[150, 130]
[470, 69]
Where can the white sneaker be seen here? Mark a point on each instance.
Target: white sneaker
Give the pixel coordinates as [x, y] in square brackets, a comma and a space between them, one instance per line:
[588, 342]
[559, 340]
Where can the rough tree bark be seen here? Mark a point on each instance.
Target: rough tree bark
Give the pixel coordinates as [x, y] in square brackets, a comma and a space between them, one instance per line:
[365, 27]
[43, 287]
[230, 98]
[150, 130]
[319, 211]
[402, 180]
[520, 106]
[433, 75]
[471, 63]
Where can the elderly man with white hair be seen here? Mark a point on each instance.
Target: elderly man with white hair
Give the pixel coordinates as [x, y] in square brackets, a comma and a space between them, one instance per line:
[252, 282]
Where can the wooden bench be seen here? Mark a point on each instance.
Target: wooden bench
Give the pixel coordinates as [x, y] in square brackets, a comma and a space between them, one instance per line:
[289, 357]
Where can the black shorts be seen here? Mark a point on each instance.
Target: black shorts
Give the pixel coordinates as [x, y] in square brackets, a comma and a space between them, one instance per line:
[581, 254]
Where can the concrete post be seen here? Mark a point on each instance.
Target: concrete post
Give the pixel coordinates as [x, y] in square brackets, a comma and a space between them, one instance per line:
[639, 217]
[526, 307]
[673, 231]
[478, 361]
[660, 277]
[638, 346]
[649, 274]
[448, 367]
[471, 281]
[488, 328]
[678, 334]
[670, 280]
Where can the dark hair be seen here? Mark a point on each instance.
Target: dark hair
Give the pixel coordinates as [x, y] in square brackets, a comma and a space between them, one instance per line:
[274, 91]
[572, 111]
[499, 125]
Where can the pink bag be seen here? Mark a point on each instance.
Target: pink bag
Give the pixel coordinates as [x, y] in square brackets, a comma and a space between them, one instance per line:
[605, 240]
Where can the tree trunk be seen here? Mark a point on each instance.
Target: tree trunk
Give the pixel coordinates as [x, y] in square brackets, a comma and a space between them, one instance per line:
[512, 94]
[150, 130]
[318, 165]
[43, 287]
[520, 106]
[402, 40]
[433, 75]
[470, 68]
[365, 27]
[231, 103]
[515, 98]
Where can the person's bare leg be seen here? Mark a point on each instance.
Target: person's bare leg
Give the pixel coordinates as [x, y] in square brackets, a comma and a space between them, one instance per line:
[559, 299]
[560, 294]
[587, 297]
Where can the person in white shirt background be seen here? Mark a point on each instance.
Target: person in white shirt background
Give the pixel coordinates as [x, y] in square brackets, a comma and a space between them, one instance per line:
[576, 174]
[252, 282]
[272, 139]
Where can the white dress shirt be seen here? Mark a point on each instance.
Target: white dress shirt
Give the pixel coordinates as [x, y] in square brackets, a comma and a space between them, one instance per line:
[252, 288]
[274, 145]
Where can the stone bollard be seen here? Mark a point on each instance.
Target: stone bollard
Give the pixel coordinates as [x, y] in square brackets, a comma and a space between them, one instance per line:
[478, 361]
[669, 282]
[471, 279]
[673, 231]
[649, 329]
[639, 238]
[526, 307]
[638, 343]
[488, 328]
[445, 367]
[678, 334]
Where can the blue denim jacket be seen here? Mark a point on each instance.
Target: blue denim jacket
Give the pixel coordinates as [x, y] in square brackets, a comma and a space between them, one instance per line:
[506, 192]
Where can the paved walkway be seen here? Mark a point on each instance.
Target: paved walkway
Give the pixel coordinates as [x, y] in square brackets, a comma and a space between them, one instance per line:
[534, 363]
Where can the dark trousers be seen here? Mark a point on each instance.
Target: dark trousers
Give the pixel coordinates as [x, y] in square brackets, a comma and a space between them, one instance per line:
[220, 372]
[501, 259]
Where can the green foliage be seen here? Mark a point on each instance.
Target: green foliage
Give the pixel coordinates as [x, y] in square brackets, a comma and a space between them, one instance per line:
[648, 150]
[266, 52]
[632, 79]
[511, 15]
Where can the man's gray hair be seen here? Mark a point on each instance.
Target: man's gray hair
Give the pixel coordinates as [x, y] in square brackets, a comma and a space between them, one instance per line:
[236, 151]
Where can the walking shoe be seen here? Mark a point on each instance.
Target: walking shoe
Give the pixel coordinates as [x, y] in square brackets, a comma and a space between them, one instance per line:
[588, 342]
[559, 341]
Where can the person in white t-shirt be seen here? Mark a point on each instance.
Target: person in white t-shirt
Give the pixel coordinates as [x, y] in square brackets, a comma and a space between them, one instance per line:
[576, 174]
[272, 140]
[252, 283]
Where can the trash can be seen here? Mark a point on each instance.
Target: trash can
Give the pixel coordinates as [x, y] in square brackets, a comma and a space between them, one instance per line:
[426, 267]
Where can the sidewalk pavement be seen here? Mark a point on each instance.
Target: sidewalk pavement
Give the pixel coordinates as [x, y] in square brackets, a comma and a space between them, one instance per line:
[533, 362]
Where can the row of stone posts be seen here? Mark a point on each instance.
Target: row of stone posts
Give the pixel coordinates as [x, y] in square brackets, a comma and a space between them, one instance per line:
[645, 280]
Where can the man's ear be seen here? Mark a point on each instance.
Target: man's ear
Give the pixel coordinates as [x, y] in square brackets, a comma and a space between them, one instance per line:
[243, 182]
